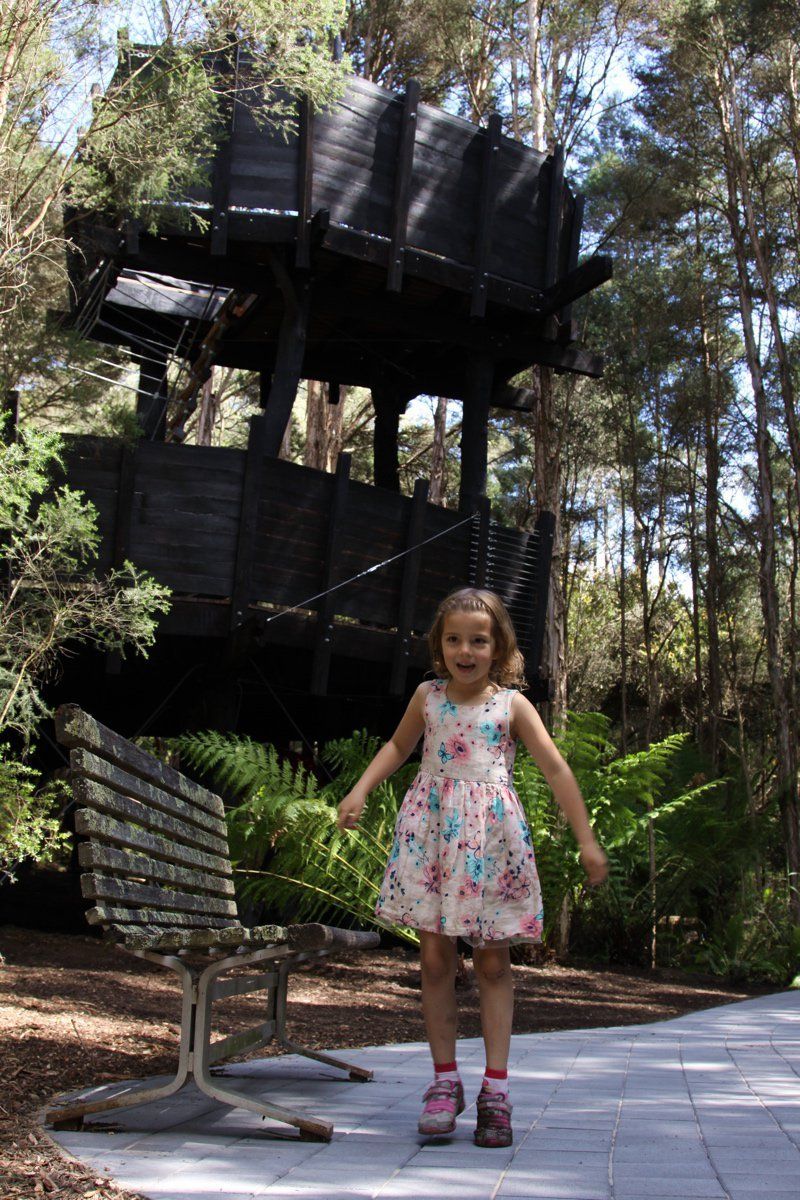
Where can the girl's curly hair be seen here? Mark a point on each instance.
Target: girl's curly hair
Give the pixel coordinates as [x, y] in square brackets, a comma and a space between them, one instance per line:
[508, 667]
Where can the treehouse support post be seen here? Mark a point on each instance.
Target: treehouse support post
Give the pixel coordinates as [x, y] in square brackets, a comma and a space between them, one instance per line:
[474, 431]
[389, 402]
[296, 291]
[151, 400]
[326, 609]
[408, 588]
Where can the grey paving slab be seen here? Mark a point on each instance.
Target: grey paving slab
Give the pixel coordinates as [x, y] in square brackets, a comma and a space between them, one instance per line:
[701, 1107]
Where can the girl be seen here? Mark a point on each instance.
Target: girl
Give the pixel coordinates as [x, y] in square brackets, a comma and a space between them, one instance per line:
[462, 864]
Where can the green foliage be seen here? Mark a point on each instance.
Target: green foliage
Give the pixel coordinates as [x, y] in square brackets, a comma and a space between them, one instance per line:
[49, 597]
[282, 827]
[756, 942]
[29, 823]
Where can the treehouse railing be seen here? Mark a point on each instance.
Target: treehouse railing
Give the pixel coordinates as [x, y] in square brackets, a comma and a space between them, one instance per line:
[263, 534]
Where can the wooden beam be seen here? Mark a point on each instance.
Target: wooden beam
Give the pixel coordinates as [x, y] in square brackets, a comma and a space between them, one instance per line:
[305, 182]
[151, 400]
[590, 274]
[481, 561]
[554, 216]
[408, 588]
[402, 186]
[326, 608]
[290, 354]
[474, 431]
[576, 226]
[248, 518]
[515, 399]
[389, 403]
[486, 205]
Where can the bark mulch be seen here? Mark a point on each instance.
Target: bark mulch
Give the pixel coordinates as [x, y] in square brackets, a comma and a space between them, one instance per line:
[75, 1012]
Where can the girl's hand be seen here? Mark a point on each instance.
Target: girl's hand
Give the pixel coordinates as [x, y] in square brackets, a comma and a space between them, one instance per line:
[350, 810]
[594, 863]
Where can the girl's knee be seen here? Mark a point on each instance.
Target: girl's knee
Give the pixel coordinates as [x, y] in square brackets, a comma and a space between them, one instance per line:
[491, 964]
[437, 958]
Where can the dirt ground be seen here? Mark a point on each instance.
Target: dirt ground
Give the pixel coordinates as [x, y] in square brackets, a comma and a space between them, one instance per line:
[75, 1012]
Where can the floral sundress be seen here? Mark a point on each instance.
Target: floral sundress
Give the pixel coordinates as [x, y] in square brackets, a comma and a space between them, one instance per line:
[462, 863]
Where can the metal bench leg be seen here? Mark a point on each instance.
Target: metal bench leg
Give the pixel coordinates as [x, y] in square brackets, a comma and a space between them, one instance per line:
[71, 1114]
[313, 1128]
[358, 1074]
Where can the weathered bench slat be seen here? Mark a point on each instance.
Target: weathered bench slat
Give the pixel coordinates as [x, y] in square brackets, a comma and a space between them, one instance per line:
[104, 914]
[76, 728]
[155, 937]
[103, 887]
[318, 937]
[95, 795]
[89, 766]
[108, 858]
[106, 829]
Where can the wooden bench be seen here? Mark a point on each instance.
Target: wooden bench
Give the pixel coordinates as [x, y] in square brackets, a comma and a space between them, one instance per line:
[158, 870]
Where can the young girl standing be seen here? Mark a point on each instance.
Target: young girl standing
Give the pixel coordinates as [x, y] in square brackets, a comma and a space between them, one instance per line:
[462, 863]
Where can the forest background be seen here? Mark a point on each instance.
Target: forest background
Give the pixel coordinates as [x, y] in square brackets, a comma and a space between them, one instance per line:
[675, 478]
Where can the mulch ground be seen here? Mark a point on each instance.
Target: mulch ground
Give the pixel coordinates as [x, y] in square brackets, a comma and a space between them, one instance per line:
[75, 1012]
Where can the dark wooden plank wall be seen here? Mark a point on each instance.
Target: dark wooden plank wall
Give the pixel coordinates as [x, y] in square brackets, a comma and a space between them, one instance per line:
[355, 161]
[184, 526]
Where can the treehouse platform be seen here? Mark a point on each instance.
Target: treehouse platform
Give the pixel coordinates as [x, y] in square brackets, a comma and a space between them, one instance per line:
[385, 244]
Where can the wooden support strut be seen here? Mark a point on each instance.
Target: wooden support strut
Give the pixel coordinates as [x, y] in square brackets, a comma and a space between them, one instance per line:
[408, 588]
[482, 543]
[286, 377]
[474, 431]
[572, 256]
[323, 644]
[248, 514]
[486, 205]
[402, 186]
[554, 216]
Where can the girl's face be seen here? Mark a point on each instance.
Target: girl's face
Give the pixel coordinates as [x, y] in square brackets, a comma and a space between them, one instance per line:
[468, 647]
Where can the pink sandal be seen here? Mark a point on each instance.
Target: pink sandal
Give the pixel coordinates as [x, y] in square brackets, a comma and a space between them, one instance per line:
[444, 1100]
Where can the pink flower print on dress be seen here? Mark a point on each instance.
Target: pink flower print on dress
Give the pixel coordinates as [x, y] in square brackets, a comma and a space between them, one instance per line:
[457, 748]
[510, 887]
[432, 875]
[532, 925]
[468, 888]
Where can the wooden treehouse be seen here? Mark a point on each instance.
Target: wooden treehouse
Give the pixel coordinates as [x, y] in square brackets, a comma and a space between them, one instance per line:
[387, 244]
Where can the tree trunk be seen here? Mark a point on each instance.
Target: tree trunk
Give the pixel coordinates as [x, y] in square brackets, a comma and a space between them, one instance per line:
[786, 747]
[438, 458]
[316, 454]
[207, 412]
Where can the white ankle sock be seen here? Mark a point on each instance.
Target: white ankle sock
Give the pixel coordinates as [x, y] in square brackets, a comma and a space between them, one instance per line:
[496, 1085]
[451, 1076]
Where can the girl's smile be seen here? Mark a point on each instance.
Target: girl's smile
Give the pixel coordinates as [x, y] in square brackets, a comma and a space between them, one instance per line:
[468, 648]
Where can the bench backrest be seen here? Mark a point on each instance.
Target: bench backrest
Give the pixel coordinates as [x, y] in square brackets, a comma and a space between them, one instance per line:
[157, 853]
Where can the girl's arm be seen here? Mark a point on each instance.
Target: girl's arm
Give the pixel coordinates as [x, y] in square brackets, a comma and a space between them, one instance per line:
[390, 756]
[528, 727]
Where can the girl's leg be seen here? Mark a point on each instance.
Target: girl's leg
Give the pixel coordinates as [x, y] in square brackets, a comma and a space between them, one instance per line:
[496, 987]
[493, 969]
[438, 964]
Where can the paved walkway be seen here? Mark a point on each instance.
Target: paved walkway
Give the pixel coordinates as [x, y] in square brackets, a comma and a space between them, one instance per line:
[707, 1105]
